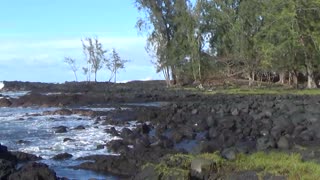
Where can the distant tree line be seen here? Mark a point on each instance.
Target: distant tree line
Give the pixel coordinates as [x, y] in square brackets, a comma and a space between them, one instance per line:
[96, 58]
[253, 40]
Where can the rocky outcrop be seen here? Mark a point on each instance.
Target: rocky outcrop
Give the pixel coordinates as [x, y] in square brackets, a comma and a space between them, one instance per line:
[31, 170]
[34, 171]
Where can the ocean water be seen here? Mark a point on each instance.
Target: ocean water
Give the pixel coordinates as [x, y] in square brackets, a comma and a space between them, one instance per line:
[26, 130]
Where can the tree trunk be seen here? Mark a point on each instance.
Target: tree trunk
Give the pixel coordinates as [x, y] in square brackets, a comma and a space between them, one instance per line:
[251, 78]
[295, 80]
[75, 75]
[281, 77]
[311, 80]
[174, 76]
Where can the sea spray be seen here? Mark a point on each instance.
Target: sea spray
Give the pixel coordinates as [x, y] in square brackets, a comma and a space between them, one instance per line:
[1, 85]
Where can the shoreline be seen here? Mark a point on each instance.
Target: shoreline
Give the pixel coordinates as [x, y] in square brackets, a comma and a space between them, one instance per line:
[189, 122]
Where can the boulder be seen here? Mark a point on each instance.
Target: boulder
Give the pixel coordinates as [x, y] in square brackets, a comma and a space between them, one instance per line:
[24, 157]
[149, 172]
[117, 165]
[6, 168]
[60, 129]
[265, 143]
[117, 146]
[4, 102]
[34, 170]
[6, 155]
[201, 168]
[68, 139]
[145, 129]
[211, 122]
[229, 154]
[62, 156]
[247, 175]
[283, 143]
[80, 127]
[112, 131]
[64, 112]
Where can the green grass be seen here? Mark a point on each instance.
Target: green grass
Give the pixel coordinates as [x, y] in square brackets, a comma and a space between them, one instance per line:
[255, 91]
[274, 163]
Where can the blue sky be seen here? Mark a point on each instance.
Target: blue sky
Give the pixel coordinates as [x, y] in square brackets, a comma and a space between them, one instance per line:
[35, 36]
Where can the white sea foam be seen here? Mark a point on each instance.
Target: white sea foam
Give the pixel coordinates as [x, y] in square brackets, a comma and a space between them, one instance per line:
[1, 85]
[43, 141]
[14, 94]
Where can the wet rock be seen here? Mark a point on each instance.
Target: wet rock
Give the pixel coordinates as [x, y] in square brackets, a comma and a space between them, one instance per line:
[112, 131]
[23, 142]
[163, 142]
[145, 129]
[126, 133]
[83, 112]
[117, 165]
[187, 132]
[24, 157]
[176, 136]
[64, 112]
[60, 129]
[100, 146]
[117, 146]
[68, 139]
[3, 149]
[62, 156]
[4, 102]
[80, 127]
[142, 142]
[6, 168]
[34, 171]
[6, 155]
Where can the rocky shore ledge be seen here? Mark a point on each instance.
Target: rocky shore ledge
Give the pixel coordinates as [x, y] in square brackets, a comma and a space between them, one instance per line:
[194, 136]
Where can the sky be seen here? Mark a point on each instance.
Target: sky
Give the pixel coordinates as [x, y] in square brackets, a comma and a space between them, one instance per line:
[36, 35]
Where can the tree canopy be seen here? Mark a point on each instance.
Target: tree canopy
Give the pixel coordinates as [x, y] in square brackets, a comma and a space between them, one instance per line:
[233, 38]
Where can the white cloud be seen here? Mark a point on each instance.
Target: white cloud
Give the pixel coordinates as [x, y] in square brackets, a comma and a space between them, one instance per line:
[69, 43]
[17, 54]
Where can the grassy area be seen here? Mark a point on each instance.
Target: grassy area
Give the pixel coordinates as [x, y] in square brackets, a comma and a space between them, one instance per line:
[274, 163]
[256, 91]
[275, 91]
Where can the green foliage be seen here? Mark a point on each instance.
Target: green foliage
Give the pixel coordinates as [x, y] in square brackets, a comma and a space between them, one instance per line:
[246, 39]
[165, 172]
[95, 55]
[274, 163]
[289, 165]
[114, 64]
[73, 66]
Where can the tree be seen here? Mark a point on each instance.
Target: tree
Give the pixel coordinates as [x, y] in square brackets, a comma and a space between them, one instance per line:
[73, 66]
[95, 55]
[115, 64]
[243, 39]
